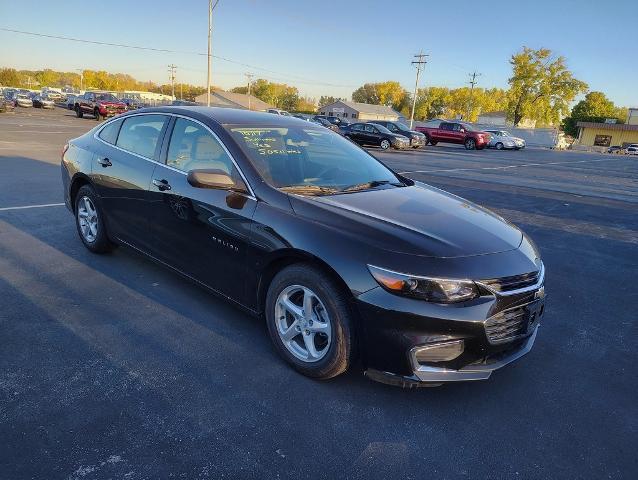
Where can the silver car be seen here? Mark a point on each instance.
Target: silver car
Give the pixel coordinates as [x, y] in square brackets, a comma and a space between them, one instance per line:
[23, 100]
[500, 139]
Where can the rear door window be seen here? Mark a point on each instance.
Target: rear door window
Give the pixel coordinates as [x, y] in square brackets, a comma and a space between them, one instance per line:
[141, 133]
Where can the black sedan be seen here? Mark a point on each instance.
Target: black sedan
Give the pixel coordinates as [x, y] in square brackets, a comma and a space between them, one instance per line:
[417, 139]
[340, 256]
[377, 135]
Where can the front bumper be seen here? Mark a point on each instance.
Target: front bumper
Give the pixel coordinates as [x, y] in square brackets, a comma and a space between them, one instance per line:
[400, 144]
[395, 327]
[480, 370]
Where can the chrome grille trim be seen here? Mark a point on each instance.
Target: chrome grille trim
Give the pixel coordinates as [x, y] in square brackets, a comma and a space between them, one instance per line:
[516, 284]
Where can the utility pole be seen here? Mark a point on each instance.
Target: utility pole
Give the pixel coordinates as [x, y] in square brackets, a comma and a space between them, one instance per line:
[419, 61]
[171, 75]
[472, 82]
[249, 77]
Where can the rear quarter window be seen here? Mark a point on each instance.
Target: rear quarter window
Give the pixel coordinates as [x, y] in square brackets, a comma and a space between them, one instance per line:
[110, 131]
[141, 133]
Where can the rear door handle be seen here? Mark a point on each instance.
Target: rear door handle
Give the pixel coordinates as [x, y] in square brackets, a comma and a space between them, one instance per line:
[105, 162]
[161, 184]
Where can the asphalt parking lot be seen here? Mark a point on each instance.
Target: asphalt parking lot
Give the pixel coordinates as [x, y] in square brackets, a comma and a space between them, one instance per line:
[113, 367]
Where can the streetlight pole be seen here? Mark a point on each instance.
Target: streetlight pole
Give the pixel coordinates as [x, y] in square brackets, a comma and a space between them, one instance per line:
[210, 47]
[420, 64]
[81, 78]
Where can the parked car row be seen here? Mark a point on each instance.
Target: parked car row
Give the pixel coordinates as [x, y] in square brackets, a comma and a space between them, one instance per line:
[13, 97]
[631, 149]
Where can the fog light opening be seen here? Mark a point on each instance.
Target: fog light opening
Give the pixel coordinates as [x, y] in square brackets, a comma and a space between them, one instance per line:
[438, 352]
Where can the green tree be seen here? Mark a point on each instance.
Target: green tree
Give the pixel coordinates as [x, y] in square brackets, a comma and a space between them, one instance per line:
[9, 77]
[327, 100]
[595, 107]
[541, 87]
[279, 95]
[388, 93]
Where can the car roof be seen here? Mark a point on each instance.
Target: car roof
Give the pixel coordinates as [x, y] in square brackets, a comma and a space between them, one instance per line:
[231, 116]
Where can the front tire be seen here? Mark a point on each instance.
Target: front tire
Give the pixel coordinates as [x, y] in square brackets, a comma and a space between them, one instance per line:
[78, 112]
[98, 117]
[310, 322]
[499, 146]
[470, 144]
[385, 144]
[89, 220]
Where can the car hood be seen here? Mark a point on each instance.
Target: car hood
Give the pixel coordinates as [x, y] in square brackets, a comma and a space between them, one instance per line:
[417, 220]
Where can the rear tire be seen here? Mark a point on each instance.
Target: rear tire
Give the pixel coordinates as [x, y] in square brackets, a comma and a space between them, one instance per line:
[319, 344]
[89, 220]
[78, 112]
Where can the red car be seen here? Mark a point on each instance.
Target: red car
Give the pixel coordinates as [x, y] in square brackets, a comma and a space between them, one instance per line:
[455, 132]
[98, 104]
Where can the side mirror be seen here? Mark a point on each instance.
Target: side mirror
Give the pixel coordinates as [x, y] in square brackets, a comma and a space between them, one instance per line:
[462, 130]
[216, 179]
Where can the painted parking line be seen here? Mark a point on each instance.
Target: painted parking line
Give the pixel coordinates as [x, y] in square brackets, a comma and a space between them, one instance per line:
[505, 167]
[25, 207]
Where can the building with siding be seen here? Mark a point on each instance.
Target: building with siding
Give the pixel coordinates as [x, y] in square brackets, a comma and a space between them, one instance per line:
[220, 98]
[359, 111]
[600, 136]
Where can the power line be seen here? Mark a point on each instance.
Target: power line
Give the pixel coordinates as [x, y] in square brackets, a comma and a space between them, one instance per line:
[289, 76]
[420, 62]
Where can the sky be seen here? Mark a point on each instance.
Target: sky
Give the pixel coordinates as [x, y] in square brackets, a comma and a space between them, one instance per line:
[329, 47]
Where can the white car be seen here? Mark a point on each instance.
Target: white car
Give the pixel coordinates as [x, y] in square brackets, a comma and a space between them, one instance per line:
[632, 149]
[500, 139]
[278, 111]
[23, 100]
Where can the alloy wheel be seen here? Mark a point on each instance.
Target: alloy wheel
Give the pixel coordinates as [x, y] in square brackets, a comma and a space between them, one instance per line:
[470, 144]
[385, 144]
[87, 219]
[303, 323]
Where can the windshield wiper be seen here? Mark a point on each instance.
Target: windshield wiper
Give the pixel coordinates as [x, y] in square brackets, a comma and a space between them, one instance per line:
[308, 189]
[371, 184]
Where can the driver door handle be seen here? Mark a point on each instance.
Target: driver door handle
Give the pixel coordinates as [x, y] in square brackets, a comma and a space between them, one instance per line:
[105, 162]
[162, 184]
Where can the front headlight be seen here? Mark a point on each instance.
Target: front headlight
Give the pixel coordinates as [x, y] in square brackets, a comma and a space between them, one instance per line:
[437, 290]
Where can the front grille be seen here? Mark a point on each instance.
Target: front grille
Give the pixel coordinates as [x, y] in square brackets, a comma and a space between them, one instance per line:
[513, 322]
[515, 282]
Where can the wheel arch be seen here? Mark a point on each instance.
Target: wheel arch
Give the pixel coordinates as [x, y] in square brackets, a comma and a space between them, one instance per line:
[284, 258]
[78, 181]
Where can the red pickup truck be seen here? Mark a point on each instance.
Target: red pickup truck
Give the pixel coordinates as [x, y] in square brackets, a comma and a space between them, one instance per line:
[454, 132]
[99, 104]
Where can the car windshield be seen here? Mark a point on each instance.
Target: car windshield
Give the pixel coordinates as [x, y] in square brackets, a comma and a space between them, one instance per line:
[401, 127]
[382, 129]
[105, 97]
[311, 161]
